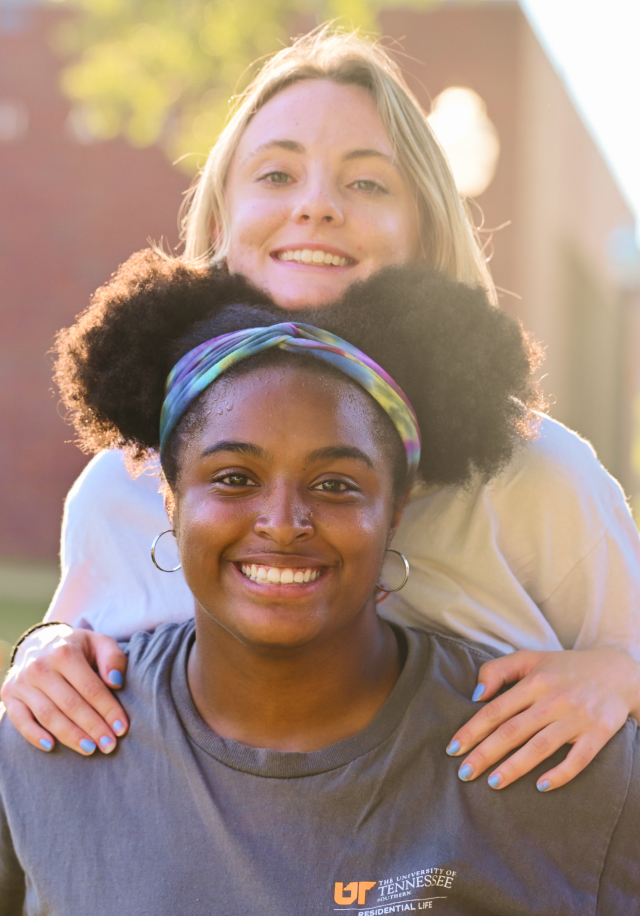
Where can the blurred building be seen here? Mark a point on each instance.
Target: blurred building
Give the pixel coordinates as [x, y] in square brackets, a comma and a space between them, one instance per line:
[566, 249]
[71, 210]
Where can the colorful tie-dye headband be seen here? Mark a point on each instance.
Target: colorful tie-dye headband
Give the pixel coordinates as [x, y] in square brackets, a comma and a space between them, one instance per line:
[201, 366]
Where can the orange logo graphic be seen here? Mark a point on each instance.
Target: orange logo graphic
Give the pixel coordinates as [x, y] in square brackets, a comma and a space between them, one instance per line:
[356, 890]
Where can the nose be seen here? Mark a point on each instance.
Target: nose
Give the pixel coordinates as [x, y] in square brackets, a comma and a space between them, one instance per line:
[318, 203]
[285, 517]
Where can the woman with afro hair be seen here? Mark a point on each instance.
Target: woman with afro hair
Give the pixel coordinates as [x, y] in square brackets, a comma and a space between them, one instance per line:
[285, 753]
[327, 174]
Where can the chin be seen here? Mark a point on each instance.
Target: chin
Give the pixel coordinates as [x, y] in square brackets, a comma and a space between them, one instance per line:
[280, 640]
[273, 626]
[300, 295]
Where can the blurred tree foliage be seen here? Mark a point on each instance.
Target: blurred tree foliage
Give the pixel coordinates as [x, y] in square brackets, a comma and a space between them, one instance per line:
[163, 71]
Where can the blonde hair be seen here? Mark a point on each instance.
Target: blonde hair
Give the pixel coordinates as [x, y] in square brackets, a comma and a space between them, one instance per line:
[449, 242]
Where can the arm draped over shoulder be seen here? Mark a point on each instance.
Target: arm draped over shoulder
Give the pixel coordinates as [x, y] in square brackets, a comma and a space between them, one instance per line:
[544, 556]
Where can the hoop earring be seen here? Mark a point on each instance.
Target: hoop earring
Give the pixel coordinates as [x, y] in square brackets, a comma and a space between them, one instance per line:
[407, 570]
[153, 552]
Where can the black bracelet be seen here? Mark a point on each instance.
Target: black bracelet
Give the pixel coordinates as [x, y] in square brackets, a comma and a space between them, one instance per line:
[27, 633]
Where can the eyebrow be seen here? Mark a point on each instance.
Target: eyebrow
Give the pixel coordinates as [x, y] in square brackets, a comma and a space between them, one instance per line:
[335, 452]
[291, 145]
[329, 453]
[240, 448]
[369, 154]
[295, 147]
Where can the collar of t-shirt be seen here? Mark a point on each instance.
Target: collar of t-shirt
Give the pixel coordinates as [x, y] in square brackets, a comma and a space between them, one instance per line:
[287, 764]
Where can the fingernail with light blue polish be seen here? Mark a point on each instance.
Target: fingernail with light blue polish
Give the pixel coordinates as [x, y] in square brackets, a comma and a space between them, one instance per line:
[465, 772]
[477, 693]
[117, 726]
[543, 785]
[495, 780]
[46, 745]
[116, 678]
[105, 741]
[87, 746]
[454, 747]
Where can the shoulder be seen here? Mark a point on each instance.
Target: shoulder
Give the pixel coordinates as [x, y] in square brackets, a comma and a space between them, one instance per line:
[155, 653]
[105, 489]
[106, 467]
[562, 449]
[107, 475]
[556, 464]
[448, 661]
[557, 455]
[558, 476]
[470, 653]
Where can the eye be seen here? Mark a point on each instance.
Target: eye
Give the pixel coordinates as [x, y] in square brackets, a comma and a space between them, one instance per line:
[367, 184]
[234, 480]
[334, 486]
[276, 178]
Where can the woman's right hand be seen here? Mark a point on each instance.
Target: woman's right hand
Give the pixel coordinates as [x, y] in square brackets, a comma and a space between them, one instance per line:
[52, 690]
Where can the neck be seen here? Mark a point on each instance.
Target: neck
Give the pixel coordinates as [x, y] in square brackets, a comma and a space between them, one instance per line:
[300, 699]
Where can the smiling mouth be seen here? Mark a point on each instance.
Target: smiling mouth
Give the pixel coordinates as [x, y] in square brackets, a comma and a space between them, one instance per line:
[317, 258]
[276, 575]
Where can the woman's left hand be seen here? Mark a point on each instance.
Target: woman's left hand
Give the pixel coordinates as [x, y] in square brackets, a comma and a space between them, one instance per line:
[573, 697]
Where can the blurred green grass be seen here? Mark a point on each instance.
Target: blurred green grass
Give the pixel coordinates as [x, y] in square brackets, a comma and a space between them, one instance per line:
[26, 588]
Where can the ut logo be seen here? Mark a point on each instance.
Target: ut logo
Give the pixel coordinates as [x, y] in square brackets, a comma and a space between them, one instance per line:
[355, 890]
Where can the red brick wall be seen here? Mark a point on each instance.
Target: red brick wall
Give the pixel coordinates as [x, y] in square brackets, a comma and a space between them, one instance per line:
[555, 190]
[69, 214]
[474, 46]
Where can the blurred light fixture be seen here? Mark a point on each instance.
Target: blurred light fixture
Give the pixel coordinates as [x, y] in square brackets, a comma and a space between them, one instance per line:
[624, 255]
[14, 121]
[460, 122]
[78, 126]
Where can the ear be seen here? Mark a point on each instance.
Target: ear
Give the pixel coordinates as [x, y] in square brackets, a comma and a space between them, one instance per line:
[215, 236]
[169, 504]
[396, 518]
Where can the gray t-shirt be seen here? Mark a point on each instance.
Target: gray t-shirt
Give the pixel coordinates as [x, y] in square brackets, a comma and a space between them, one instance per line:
[180, 821]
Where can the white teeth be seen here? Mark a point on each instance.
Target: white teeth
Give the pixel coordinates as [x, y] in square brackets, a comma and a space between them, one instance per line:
[307, 256]
[277, 575]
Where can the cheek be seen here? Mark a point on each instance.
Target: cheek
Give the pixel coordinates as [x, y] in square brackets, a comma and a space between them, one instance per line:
[360, 536]
[402, 236]
[251, 225]
[205, 530]
[391, 237]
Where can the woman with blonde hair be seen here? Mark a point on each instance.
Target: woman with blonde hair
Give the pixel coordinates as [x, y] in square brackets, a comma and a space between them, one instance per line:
[326, 173]
[447, 238]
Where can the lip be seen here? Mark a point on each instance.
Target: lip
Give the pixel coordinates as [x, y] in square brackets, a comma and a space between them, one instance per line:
[277, 590]
[313, 246]
[280, 560]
